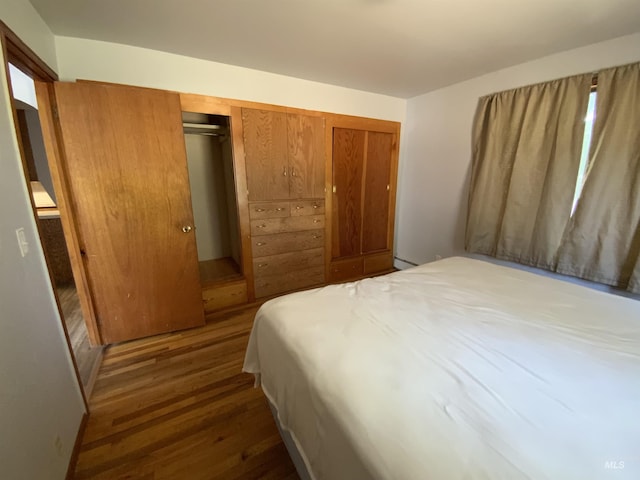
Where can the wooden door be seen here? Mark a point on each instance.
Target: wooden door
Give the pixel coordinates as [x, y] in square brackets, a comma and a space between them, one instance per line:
[348, 164]
[305, 139]
[127, 172]
[375, 213]
[265, 145]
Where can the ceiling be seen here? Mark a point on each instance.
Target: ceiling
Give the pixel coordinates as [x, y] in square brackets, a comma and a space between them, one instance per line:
[401, 48]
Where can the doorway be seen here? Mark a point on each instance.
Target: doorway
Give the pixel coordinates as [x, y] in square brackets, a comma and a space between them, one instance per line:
[21, 79]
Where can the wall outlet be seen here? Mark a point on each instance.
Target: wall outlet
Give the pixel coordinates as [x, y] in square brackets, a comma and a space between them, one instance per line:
[22, 241]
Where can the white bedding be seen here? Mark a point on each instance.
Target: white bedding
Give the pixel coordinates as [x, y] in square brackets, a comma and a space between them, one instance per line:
[457, 369]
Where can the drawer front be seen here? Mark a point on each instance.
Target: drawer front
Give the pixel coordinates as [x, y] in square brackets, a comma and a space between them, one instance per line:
[274, 284]
[217, 297]
[342, 270]
[286, 242]
[307, 207]
[268, 210]
[268, 226]
[288, 262]
[378, 263]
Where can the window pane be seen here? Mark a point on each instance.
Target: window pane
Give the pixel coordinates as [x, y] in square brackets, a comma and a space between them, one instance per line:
[586, 143]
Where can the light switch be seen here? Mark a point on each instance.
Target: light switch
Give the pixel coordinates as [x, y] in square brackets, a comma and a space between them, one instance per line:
[22, 241]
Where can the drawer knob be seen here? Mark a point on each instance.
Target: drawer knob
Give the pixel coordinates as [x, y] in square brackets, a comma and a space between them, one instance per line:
[261, 226]
[316, 221]
[298, 207]
[316, 236]
[316, 206]
[259, 209]
[279, 209]
[260, 265]
[260, 244]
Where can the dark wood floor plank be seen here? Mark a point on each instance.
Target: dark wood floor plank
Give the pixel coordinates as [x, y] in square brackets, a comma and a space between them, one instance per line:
[178, 406]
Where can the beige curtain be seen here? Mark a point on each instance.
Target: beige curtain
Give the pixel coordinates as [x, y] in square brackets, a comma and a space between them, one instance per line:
[526, 153]
[602, 242]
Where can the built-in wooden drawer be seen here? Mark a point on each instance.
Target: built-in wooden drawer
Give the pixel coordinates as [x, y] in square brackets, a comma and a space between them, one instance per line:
[268, 210]
[378, 263]
[289, 224]
[273, 284]
[307, 207]
[341, 270]
[288, 262]
[217, 297]
[286, 242]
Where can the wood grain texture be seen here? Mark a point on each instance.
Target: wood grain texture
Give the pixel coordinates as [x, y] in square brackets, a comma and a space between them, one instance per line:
[68, 215]
[177, 406]
[265, 245]
[265, 146]
[127, 171]
[268, 210]
[287, 262]
[224, 295]
[307, 207]
[288, 224]
[305, 140]
[375, 214]
[240, 173]
[348, 164]
[346, 269]
[268, 285]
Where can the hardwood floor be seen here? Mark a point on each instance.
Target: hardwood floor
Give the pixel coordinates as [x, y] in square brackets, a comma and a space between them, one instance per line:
[87, 357]
[177, 406]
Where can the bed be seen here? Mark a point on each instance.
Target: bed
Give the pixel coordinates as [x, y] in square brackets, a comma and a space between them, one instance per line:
[457, 369]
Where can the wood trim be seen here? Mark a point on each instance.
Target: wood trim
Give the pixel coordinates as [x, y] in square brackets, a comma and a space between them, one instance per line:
[75, 453]
[393, 190]
[239, 166]
[19, 54]
[55, 155]
[363, 191]
[328, 195]
[203, 104]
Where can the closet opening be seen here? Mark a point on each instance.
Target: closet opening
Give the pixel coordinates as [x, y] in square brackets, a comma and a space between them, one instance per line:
[213, 196]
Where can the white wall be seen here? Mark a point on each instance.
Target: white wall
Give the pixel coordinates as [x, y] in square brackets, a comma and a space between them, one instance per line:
[432, 193]
[26, 23]
[41, 399]
[110, 62]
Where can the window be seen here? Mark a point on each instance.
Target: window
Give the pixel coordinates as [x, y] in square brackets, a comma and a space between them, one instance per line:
[586, 144]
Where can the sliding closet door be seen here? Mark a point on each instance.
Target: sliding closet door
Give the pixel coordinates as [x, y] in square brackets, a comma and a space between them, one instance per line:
[375, 221]
[127, 171]
[348, 164]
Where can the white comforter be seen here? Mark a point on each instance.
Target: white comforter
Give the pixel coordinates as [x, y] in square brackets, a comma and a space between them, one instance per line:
[457, 369]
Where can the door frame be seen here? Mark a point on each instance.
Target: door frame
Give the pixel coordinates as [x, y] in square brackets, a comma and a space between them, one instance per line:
[16, 52]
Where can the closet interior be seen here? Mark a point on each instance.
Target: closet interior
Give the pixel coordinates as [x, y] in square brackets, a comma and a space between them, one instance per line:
[213, 196]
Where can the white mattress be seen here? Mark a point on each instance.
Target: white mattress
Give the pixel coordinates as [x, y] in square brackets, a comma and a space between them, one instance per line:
[457, 369]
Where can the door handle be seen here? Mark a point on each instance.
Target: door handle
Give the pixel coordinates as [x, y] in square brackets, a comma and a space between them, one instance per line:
[186, 228]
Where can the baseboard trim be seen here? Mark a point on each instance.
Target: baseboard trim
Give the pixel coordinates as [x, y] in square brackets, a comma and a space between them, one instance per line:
[76, 447]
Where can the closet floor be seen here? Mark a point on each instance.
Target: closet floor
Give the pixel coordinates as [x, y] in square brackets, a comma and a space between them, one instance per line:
[219, 270]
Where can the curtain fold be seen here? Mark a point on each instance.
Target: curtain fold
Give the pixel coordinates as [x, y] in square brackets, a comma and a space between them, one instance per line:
[526, 154]
[602, 240]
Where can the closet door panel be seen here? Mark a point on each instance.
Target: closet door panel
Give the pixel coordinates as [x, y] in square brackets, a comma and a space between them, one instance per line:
[375, 222]
[265, 145]
[126, 166]
[305, 138]
[348, 159]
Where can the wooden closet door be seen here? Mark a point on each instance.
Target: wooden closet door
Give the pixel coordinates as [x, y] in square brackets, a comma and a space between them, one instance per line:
[265, 146]
[348, 160]
[126, 165]
[305, 138]
[375, 215]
